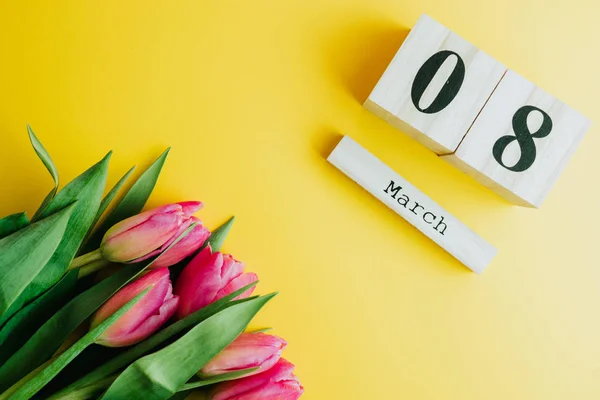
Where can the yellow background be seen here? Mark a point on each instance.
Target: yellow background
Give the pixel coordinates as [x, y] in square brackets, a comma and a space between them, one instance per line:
[252, 95]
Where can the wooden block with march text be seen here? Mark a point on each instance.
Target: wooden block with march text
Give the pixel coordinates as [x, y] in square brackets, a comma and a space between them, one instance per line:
[435, 86]
[412, 204]
[520, 142]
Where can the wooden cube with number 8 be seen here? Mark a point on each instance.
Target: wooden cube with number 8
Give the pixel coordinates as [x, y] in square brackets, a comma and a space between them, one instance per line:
[435, 86]
[520, 142]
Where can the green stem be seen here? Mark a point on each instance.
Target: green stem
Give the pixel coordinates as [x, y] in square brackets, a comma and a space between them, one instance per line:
[92, 267]
[86, 259]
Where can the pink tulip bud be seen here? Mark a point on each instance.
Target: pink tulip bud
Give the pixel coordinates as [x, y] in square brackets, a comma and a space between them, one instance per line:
[208, 278]
[145, 317]
[249, 350]
[186, 246]
[279, 383]
[147, 234]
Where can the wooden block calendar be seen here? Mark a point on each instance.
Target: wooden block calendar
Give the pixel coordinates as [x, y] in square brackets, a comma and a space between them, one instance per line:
[412, 204]
[435, 86]
[520, 142]
[488, 121]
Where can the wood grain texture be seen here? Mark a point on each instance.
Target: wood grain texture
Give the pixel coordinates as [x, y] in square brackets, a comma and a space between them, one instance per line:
[412, 204]
[552, 152]
[391, 98]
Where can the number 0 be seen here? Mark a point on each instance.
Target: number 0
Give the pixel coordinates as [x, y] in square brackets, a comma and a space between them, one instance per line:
[426, 74]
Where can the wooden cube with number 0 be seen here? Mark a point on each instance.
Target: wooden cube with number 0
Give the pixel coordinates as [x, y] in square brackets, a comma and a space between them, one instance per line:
[520, 142]
[435, 86]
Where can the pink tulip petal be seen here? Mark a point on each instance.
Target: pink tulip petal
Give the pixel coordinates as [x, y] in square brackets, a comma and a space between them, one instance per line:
[142, 239]
[281, 371]
[190, 207]
[249, 350]
[140, 218]
[185, 247]
[182, 228]
[284, 390]
[147, 328]
[199, 282]
[128, 292]
[160, 284]
[153, 253]
[231, 269]
[238, 283]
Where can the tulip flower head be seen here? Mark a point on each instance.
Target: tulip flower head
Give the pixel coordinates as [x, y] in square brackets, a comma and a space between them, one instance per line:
[185, 247]
[148, 234]
[249, 350]
[279, 383]
[208, 278]
[145, 317]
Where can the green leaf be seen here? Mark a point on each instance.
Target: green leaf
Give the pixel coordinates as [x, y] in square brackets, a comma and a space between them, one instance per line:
[12, 223]
[132, 203]
[7, 394]
[47, 160]
[24, 324]
[87, 191]
[42, 378]
[217, 379]
[109, 198]
[49, 197]
[46, 340]
[24, 253]
[162, 374]
[43, 155]
[218, 236]
[124, 359]
[93, 390]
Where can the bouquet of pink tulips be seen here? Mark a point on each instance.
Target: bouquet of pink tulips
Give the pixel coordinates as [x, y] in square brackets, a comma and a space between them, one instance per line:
[128, 305]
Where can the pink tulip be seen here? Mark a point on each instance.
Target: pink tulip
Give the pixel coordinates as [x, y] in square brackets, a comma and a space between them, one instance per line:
[208, 278]
[278, 383]
[145, 317]
[249, 350]
[185, 247]
[147, 234]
